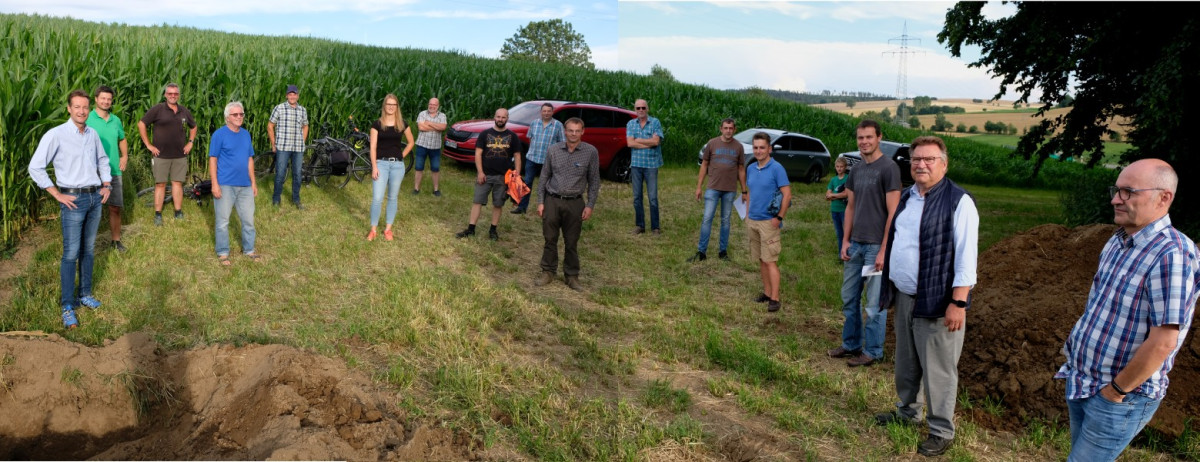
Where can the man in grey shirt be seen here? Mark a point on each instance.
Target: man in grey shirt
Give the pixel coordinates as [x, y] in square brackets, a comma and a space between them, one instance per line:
[874, 193]
[571, 167]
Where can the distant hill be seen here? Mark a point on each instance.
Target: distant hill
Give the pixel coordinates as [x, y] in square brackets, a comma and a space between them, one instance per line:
[824, 97]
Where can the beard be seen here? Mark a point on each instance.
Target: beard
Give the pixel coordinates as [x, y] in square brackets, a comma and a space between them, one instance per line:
[500, 125]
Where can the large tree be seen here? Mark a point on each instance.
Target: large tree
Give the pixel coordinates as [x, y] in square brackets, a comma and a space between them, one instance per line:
[1135, 60]
[553, 41]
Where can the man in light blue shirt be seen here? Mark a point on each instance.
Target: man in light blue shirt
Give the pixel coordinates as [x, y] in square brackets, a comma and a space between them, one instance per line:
[644, 137]
[929, 270]
[82, 183]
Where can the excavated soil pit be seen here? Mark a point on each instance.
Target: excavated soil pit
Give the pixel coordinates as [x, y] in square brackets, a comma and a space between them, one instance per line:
[128, 400]
[1032, 288]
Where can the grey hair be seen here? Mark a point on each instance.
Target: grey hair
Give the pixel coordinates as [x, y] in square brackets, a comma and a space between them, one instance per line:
[170, 85]
[1165, 177]
[233, 104]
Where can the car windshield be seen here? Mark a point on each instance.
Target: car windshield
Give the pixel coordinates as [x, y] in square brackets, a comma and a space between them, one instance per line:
[525, 113]
[747, 136]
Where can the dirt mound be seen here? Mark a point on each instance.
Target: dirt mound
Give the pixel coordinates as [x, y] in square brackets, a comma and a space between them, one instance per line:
[128, 400]
[1032, 288]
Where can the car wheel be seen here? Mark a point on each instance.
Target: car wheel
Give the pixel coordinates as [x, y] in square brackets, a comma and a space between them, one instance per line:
[814, 175]
[618, 169]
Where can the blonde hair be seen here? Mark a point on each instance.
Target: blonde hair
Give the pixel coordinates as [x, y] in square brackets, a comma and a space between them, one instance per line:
[841, 160]
[383, 113]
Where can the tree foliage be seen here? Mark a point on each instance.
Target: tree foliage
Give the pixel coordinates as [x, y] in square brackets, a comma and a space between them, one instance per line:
[661, 72]
[553, 41]
[1114, 59]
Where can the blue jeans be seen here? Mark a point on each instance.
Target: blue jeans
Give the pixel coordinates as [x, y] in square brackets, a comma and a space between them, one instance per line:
[532, 171]
[79, 227]
[711, 197]
[282, 159]
[242, 199]
[1100, 429]
[838, 221]
[650, 176]
[857, 333]
[435, 159]
[391, 173]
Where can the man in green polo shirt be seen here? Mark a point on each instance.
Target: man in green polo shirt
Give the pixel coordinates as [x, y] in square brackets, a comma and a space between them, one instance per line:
[112, 137]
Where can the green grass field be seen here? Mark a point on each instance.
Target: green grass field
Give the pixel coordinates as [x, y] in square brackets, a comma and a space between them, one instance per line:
[655, 352]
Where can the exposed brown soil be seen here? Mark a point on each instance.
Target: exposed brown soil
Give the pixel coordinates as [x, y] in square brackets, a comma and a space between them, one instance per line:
[128, 400]
[1032, 288]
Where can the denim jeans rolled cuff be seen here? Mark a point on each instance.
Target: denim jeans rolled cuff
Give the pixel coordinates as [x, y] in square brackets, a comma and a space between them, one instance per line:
[1101, 429]
[711, 198]
[649, 176]
[859, 333]
[391, 173]
[79, 227]
[532, 171]
[241, 199]
[286, 161]
[423, 153]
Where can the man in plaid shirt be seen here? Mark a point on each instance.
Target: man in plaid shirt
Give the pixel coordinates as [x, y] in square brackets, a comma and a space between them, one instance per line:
[542, 134]
[1138, 312]
[644, 137]
[291, 121]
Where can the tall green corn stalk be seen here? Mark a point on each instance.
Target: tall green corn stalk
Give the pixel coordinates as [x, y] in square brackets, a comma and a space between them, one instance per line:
[42, 59]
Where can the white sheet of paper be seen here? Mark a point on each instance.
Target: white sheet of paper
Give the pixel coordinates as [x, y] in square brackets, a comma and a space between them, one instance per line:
[739, 204]
[869, 270]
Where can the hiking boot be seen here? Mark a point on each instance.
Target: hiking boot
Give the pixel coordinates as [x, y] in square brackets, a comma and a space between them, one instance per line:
[179, 214]
[68, 317]
[120, 247]
[158, 219]
[862, 360]
[840, 352]
[637, 231]
[934, 446]
[723, 255]
[762, 298]
[773, 306]
[493, 235]
[573, 283]
[517, 211]
[882, 419]
[699, 256]
[465, 233]
[543, 279]
[89, 301]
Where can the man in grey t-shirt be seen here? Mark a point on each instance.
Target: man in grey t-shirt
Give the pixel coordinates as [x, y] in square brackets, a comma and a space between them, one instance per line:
[874, 187]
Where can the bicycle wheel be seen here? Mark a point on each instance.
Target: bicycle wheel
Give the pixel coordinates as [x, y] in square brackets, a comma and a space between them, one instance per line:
[321, 169]
[360, 169]
[264, 163]
[146, 196]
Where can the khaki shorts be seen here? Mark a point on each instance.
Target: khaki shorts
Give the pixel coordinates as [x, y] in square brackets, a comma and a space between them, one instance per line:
[494, 185]
[764, 240]
[116, 197]
[169, 169]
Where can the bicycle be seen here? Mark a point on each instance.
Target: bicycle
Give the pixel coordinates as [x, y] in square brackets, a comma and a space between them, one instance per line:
[346, 157]
[197, 191]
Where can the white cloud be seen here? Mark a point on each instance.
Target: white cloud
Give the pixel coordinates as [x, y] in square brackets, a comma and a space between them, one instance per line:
[792, 9]
[605, 57]
[811, 66]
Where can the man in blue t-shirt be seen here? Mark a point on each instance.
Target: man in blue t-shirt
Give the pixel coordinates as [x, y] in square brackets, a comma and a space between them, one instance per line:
[764, 179]
[230, 161]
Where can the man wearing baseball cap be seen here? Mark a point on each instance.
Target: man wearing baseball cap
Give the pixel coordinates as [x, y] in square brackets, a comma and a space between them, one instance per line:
[291, 119]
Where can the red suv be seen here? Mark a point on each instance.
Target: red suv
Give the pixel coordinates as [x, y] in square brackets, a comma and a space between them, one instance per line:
[603, 125]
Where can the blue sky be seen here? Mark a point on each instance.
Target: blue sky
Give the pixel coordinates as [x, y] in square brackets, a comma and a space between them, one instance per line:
[799, 46]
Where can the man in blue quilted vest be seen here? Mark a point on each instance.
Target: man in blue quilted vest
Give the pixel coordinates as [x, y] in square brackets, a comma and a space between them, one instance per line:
[929, 270]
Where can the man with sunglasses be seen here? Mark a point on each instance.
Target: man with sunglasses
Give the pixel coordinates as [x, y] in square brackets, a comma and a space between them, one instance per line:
[231, 169]
[174, 135]
[929, 270]
[644, 136]
[1137, 315]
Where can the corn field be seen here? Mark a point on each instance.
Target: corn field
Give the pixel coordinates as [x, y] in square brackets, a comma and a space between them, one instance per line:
[43, 59]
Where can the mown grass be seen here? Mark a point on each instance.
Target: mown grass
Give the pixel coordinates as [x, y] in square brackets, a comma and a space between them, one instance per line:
[655, 355]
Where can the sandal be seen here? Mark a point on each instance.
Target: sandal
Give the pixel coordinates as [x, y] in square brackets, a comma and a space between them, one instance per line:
[253, 256]
[68, 316]
[387, 234]
[224, 259]
[371, 235]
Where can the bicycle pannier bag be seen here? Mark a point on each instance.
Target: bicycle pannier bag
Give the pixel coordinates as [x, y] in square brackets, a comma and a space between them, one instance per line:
[339, 161]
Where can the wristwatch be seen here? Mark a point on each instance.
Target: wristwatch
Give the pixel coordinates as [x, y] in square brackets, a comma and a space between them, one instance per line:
[779, 217]
[959, 303]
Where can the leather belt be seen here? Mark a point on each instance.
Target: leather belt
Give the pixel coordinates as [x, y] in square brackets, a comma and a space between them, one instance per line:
[86, 190]
[566, 198]
[393, 159]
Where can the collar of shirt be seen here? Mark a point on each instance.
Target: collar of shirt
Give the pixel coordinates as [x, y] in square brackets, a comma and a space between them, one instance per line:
[1144, 235]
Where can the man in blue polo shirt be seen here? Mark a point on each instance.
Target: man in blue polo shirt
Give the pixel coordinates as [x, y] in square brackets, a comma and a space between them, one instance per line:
[82, 182]
[231, 167]
[763, 179]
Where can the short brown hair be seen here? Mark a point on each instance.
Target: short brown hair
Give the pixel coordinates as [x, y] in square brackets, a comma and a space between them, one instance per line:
[575, 121]
[105, 89]
[762, 136]
[929, 140]
[77, 94]
[868, 123]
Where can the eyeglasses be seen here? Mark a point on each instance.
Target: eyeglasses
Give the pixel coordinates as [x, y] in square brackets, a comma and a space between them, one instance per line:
[924, 160]
[1126, 193]
[639, 108]
[172, 93]
[237, 114]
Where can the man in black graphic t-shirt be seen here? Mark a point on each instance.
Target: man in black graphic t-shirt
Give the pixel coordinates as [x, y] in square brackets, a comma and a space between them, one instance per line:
[497, 150]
